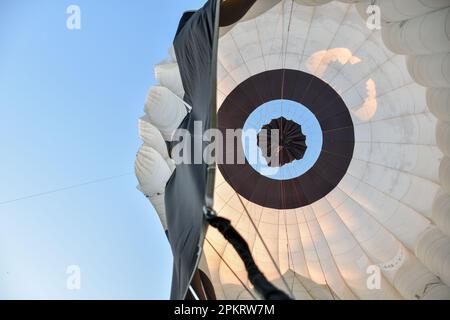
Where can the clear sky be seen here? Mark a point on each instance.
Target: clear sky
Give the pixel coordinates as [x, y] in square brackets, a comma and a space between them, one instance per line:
[69, 102]
[290, 110]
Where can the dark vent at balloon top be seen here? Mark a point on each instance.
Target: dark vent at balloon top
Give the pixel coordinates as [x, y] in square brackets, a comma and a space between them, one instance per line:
[290, 145]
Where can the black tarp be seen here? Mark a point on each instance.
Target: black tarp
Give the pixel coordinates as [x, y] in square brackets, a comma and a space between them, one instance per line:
[185, 192]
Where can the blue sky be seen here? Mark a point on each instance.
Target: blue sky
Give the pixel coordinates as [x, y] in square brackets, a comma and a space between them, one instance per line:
[292, 111]
[69, 104]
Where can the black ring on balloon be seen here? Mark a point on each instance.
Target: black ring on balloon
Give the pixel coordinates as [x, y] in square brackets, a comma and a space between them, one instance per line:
[337, 129]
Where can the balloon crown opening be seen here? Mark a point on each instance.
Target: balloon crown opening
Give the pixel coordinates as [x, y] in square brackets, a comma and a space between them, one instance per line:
[286, 138]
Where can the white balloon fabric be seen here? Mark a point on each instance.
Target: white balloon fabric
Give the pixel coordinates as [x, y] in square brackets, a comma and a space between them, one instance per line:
[383, 232]
[165, 110]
